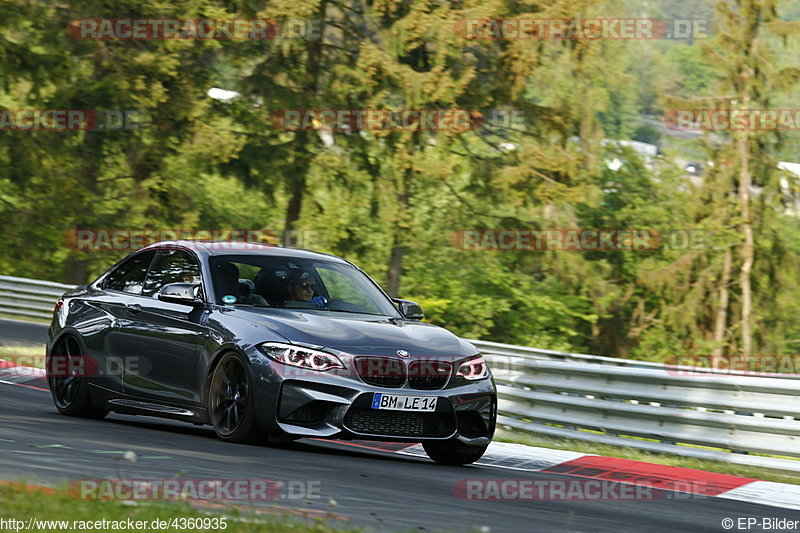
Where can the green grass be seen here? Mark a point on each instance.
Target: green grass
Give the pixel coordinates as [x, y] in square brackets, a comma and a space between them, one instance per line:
[636, 454]
[32, 355]
[35, 320]
[20, 502]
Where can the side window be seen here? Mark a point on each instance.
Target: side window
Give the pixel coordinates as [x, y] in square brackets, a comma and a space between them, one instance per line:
[250, 272]
[171, 266]
[129, 276]
[232, 278]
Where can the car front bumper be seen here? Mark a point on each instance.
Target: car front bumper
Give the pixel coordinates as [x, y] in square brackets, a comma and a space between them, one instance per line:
[320, 405]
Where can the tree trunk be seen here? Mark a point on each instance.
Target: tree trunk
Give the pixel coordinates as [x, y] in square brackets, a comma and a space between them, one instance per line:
[77, 271]
[304, 141]
[296, 189]
[398, 237]
[748, 248]
[745, 181]
[395, 269]
[721, 321]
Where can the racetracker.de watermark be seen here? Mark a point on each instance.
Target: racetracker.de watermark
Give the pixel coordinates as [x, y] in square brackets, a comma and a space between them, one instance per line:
[420, 368]
[733, 365]
[733, 119]
[105, 240]
[582, 29]
[457, 120]
[570, 490]
[150, 29]
[182, 523]
[578, 239]
[194, 489]
[84, 366]
[25, 120]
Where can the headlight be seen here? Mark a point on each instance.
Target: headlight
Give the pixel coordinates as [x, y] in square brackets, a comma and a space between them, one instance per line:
[300, 357]
[473, 369]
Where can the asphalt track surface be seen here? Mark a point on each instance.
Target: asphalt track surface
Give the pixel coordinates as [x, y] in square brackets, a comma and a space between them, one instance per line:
[17, 332]
[377, 489]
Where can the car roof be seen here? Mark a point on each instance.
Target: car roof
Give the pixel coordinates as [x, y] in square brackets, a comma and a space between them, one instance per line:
[216, 248]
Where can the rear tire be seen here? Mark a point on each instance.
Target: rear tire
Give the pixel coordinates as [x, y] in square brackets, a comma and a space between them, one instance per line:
[231, 400]
[453, 452]
[70, 390]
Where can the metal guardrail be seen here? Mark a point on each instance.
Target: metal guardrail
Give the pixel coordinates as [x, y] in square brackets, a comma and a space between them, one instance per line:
[731, 416]
[29, 298]
[524, 352]
[728, 416]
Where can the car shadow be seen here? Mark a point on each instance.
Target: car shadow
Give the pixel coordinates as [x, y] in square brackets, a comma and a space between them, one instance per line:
[321, 446]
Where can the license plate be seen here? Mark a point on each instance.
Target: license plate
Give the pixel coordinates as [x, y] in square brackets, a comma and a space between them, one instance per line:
[399, 402]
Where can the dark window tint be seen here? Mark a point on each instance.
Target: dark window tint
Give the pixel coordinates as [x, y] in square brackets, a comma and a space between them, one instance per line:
[129, 276]
[173, 266]
[275, 281]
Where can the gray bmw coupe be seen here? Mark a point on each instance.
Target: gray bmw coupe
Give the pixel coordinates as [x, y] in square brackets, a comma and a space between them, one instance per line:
[267, 343]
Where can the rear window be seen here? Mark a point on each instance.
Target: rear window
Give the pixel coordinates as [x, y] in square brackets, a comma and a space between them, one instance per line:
[171, 266]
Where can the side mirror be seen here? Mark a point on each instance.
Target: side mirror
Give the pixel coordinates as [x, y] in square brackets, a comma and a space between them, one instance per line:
[181, 293]
[410, 310]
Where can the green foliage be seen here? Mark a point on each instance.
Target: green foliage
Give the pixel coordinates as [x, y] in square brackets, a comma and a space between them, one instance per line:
[392, 201]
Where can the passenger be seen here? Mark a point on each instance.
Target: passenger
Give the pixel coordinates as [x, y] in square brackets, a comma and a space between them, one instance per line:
[248, 295]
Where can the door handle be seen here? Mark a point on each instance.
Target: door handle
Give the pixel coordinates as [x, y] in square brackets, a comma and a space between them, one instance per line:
[133, 308]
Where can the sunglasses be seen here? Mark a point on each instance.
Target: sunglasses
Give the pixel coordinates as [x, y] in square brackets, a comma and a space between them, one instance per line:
[307, 286]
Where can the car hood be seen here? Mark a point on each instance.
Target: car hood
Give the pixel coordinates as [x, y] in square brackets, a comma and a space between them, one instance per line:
[360, 334]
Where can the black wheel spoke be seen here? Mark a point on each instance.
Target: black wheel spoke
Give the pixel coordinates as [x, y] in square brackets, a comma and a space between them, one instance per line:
[229, 396]
[66, 384]
[232, 421]
[69, 391]
[235, 414]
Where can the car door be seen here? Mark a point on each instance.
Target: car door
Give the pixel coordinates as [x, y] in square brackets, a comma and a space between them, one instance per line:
[101, 334]
[165, 337]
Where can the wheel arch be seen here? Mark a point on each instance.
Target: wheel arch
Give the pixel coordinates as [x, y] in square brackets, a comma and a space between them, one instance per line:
[220, 352]
[68, 331]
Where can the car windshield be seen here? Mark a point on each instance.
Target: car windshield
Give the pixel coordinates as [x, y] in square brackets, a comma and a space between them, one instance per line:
[296, 283]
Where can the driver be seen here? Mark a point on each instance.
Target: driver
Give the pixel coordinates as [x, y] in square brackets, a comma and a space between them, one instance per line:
[301, 289]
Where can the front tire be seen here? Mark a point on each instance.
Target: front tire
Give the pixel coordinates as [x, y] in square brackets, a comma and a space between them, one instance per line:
[453, 452]
[70, 389]
[231, 400]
